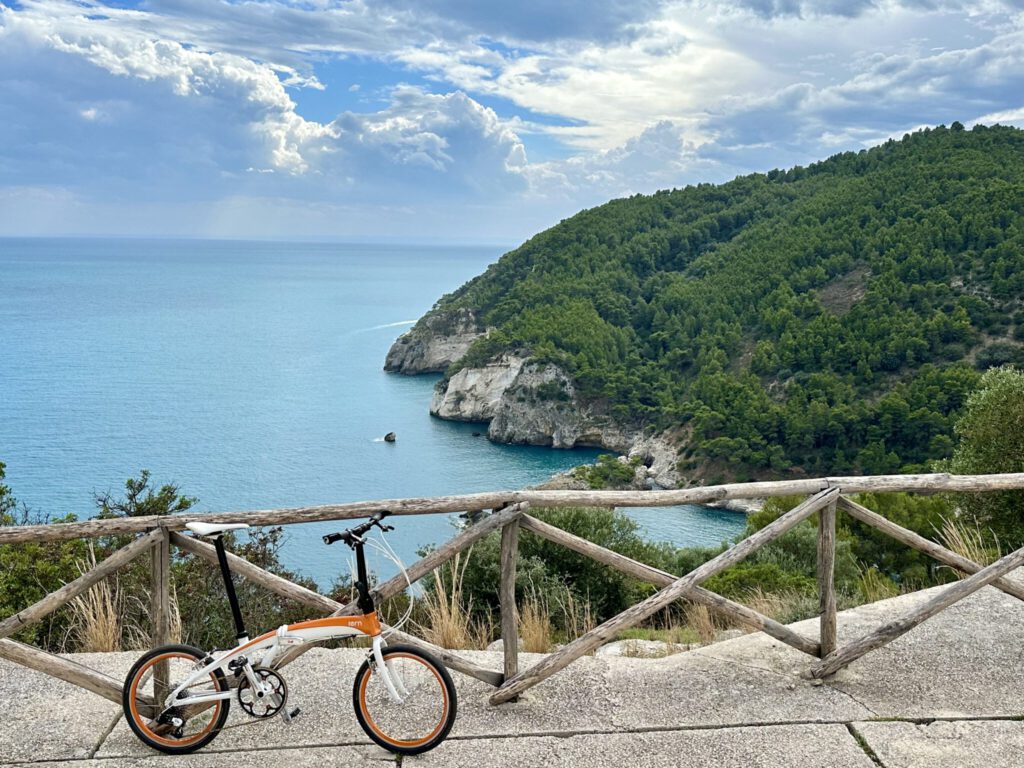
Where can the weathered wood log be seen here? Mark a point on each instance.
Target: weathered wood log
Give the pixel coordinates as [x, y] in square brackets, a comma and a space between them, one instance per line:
[921, 544]
[160, 604]
[449, 659]
[507, 599]
[62, 669]
[646, 573]
[73, 589]
[894, 629]
[293, 591]
[827, 578]
[637, 613]
[930, 483]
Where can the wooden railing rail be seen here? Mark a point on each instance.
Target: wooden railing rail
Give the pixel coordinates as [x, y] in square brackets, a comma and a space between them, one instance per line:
[931, 483]
[510, 514]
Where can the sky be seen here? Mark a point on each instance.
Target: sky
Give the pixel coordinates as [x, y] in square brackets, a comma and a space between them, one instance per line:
[457, 120]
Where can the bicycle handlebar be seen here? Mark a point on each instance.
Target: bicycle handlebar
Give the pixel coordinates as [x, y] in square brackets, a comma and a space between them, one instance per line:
[353, 535]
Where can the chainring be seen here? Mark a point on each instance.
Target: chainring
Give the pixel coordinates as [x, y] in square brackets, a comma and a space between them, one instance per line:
[269, 704]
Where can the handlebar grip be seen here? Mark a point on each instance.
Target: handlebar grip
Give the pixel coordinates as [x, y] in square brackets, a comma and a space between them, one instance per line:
[330, 538]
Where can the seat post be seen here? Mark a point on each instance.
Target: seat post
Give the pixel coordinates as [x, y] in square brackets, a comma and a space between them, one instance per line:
[229, 585]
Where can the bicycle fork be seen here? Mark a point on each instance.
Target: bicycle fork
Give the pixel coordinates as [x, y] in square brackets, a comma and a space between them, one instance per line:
[392, 678]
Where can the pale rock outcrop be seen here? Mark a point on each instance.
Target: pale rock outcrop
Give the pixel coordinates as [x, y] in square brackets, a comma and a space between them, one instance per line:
[475, 394]
[434, 343]
[531, 403]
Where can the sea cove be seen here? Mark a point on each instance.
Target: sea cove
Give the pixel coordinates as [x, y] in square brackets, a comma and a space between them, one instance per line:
[250, 373]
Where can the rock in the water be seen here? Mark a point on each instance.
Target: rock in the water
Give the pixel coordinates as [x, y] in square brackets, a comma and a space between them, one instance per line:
[389, 437]
[476, 434]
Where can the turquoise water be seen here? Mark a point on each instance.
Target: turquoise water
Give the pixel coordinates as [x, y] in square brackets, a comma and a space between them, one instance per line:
[250, 374]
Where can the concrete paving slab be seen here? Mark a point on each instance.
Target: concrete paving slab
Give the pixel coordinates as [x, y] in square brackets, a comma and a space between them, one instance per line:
[796, 746]
[964, 744]
[577, 699]
[310, 757]
[965, 662]
[696, 689]
[44, 718]
[319, 683]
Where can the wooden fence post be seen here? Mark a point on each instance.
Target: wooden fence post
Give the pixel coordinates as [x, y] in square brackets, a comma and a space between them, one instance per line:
[885, 634]
[827, 578]
[507, 598]
[679, 588]
[160, 606]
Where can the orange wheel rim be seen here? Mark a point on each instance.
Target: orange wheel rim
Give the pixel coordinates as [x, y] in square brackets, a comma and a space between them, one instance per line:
[141, 721]
[405, 743]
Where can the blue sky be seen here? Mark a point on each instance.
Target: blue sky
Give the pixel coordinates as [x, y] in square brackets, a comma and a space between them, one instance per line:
[457, 120]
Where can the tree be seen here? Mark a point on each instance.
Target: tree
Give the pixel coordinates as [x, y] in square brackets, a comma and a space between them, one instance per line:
[990, 435]
[140, 500]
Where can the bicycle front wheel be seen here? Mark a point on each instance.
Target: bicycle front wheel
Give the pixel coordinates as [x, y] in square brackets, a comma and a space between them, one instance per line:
[183, 728]
[427, 711]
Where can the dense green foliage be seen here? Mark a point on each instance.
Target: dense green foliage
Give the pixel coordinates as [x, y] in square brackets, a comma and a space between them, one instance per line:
[559, 574]
[832, 318]
[990, 438]
[28, 572]
[608, 472]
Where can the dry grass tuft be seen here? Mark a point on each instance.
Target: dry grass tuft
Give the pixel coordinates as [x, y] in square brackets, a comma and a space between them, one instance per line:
[578, 614]
[969, 541]
[874, 586]
[535, 623]
[700, 619]
[786, 606]
[96, 614]
[448, 619]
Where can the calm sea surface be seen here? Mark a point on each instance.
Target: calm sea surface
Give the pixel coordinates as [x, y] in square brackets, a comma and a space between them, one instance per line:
[250, 374]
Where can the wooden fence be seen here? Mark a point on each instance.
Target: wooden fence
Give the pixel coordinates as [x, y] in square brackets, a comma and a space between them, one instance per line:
[510, 515]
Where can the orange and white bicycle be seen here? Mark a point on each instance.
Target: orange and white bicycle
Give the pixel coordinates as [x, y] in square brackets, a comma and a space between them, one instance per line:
[176, 697]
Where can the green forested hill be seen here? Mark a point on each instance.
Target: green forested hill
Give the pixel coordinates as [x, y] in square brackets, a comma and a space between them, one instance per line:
[831, 318]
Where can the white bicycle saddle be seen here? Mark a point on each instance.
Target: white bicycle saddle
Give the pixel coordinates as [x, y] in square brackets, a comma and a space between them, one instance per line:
[213, 529]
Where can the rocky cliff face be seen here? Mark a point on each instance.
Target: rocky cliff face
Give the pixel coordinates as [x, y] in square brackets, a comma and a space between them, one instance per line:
[434, 343]
[474, 394]
[534, 403]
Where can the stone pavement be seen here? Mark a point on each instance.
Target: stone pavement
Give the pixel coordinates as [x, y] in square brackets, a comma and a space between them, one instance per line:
[946, 694]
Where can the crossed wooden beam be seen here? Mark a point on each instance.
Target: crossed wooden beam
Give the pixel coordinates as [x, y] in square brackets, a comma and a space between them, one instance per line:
[510, 682]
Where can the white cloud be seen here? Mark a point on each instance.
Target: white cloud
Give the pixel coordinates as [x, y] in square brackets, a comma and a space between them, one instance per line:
[198, 106]
[666, 71]
[113, 44]
[229, 98]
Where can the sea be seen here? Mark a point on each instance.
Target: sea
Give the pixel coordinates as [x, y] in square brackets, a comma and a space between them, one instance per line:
[250, 375]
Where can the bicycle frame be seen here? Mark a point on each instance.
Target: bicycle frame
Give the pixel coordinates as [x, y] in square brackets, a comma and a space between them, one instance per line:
[267, 647]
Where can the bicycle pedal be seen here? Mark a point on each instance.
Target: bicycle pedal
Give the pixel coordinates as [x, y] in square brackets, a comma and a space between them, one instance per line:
[289, 716]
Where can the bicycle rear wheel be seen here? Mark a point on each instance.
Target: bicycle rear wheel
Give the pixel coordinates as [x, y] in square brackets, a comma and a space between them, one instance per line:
[427, 712]
[183, 728]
